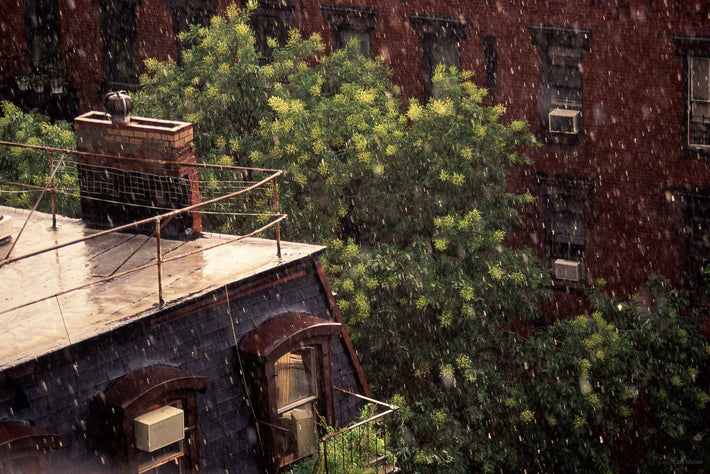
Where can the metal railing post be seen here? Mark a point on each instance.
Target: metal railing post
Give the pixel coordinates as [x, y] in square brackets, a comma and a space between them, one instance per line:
[53, 193]
[325, 455]
[161, 302]
[278, 224]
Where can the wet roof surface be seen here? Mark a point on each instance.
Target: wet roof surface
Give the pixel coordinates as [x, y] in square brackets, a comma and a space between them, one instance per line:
[57, 322]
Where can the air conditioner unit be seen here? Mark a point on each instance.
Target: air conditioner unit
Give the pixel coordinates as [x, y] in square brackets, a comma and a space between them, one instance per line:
[159, 428]
[5, 228]
[304, 424]
[564, 121]
[569, 270]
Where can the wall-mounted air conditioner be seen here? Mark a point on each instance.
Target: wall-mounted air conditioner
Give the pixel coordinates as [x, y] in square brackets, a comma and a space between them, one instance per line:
[569, 270]
[564, 121]
[5, 228]
[159, 428]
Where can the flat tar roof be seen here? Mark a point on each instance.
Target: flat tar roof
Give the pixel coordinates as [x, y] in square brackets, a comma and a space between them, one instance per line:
[59, 321]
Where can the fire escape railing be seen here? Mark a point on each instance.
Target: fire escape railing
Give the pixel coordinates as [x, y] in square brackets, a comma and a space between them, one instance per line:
[364, 446]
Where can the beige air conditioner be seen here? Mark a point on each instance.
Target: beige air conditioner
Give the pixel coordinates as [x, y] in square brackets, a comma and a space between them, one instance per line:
[159, 428]
[564, 121]
[569, 270]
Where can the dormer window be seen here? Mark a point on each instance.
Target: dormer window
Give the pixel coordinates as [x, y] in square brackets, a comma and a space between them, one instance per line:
[288, 361]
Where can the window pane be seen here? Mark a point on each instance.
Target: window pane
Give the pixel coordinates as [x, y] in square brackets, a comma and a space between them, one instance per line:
[295, 376]
[345, 35]
[700, 83]
[445, 51]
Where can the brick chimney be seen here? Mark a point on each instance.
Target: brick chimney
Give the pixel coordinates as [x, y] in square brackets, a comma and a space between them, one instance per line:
[119, 190]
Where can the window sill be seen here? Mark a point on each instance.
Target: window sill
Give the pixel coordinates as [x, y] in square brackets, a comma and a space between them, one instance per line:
[569, 286]
[697, 152]
[562, 139]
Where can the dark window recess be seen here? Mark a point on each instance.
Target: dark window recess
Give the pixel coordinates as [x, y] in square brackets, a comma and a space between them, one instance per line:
[351, 23]
[441, 44]
[187, 13]
[288, 363]
[43, 36]
[25, 448]
[696, 54]
[344, 35]
[146, 422]
[698, 244]
[490, 62]
[271, 20]
[562, 92]
[565, 205]
[120, 41]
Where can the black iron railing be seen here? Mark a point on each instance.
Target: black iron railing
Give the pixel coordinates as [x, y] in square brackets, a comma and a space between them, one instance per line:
[364, 446]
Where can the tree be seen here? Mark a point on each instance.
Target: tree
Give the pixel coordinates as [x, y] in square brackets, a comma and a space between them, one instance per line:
[23, 165]
[414, 207]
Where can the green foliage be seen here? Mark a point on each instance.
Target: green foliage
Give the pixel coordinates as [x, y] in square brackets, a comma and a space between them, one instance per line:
[617, 390]
[32, 166]
[414, 207]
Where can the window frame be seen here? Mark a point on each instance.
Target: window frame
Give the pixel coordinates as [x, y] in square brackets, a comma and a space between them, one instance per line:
[576, 191]
[22, 443]
[140, 392]
[549, 39]
[341, 18]
[271, 16]
[688, 47]
[42, 19]
[187, 13]
[108, 11]
[265, 345]
[437, 31]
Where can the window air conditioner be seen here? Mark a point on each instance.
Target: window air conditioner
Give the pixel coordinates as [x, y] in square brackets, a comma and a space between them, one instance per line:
[569, 270]
[159, 428]
[564, 121]
[5, 227]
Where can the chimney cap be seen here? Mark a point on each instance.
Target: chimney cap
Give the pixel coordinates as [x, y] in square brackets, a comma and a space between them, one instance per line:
[119, 106]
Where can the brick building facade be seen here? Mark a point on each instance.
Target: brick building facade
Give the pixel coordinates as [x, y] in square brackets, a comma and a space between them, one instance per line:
[617, 92]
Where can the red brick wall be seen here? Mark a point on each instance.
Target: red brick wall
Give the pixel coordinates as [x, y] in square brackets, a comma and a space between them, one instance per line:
[14, 60]
[633, 116]
[633, 105]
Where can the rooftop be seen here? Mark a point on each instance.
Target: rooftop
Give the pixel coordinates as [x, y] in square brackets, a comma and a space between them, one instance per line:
[39, 315]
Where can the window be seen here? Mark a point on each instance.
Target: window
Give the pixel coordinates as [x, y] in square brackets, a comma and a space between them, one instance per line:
[490, 65]
[441, 44]
[288, 363]
[350, 23]
[696, 54]
[119, 36]
[188, 13]
[43, 30]
[565, 203]
[562, 86]
[270, 21]
[697, 233]
[699, 106]
[25, 449]
[147, 421]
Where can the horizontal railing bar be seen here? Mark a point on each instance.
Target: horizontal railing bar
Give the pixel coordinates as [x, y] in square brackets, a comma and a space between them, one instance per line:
[142, 267]
[357, 425]
[371, 400]
[133, 158]
[143, 221]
